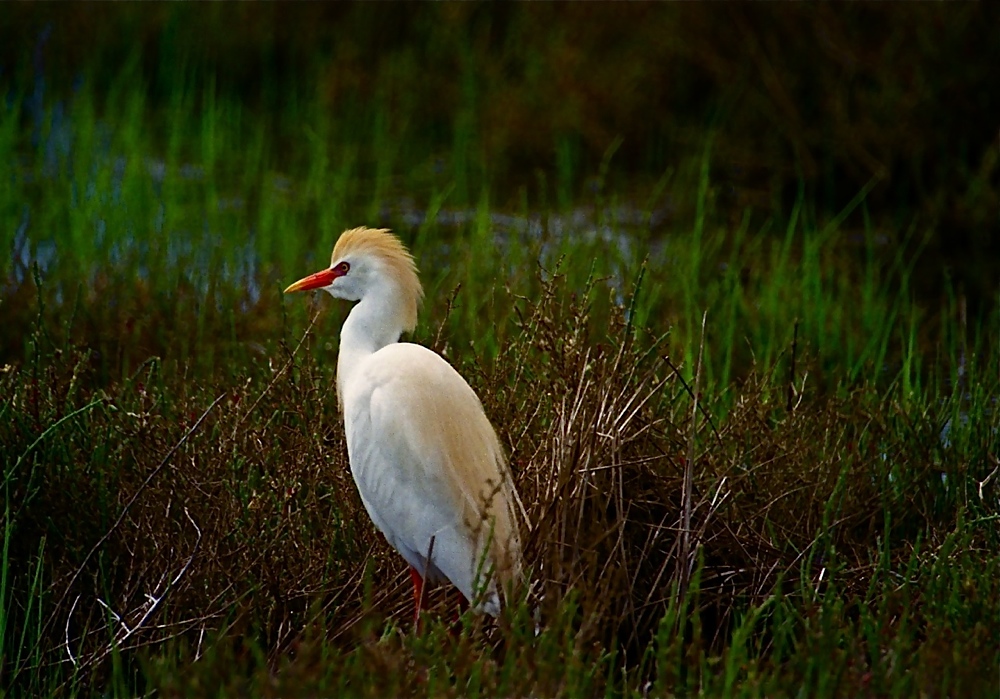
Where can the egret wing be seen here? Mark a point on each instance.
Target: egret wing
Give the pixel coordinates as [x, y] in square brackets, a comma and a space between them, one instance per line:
[428, 466]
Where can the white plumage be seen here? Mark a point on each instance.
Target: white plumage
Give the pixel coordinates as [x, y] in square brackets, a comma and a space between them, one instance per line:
[426, 460]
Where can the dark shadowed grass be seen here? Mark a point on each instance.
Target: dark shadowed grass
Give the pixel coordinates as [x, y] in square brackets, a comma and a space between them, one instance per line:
[204, 539]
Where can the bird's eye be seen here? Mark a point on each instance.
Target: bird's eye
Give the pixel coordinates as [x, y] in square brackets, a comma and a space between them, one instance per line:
[343, 268]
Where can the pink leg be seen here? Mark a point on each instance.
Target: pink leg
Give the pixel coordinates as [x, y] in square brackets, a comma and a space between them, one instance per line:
[418, 596]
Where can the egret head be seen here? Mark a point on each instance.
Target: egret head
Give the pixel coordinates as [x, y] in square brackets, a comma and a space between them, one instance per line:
[370, 261]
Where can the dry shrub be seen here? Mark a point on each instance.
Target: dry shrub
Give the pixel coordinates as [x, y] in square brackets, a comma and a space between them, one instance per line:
[601, 429]
[175, 512]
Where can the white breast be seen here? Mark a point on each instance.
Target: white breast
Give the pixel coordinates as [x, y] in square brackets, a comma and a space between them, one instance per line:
[413, 425]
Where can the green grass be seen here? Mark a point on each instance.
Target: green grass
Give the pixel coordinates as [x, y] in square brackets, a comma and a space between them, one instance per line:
[179, 517]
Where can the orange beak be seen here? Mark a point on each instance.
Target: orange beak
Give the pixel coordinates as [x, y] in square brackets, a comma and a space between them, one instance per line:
[314, 281]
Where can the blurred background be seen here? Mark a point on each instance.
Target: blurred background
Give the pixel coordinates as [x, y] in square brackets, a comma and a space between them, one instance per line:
[303, 119]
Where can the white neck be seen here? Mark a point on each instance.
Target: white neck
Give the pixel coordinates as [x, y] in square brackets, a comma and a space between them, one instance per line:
[374, 322]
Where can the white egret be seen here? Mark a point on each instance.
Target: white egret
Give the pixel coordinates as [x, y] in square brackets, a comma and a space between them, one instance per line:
[426, 460]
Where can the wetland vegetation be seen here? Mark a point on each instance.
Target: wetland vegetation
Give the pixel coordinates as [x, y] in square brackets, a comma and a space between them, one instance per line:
[725, 280]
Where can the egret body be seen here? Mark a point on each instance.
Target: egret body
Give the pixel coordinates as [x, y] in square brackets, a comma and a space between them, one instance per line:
[425, 458]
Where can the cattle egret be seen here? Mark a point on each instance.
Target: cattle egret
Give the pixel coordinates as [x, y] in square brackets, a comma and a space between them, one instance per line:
[425, 458]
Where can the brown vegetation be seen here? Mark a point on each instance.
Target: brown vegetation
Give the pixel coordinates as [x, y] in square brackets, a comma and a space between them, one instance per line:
[233, 515]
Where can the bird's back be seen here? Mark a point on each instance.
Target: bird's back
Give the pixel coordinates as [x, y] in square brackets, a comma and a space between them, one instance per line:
[428, 465]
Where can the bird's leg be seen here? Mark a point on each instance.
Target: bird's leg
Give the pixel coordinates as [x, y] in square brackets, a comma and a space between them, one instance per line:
[418, 596]
[418, 586]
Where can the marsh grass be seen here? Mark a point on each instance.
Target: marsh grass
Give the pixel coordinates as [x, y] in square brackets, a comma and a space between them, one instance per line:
[840, 546]
[755, 461]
